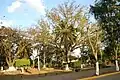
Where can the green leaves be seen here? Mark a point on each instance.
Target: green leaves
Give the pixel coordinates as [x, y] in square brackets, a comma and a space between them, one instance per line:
[14, 44]
[68, 21]
[22, 62]
[106, 12]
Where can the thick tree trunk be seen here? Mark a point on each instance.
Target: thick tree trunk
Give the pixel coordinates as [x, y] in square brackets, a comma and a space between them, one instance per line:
[67, 67]
[38, 63]
[10, 64]
[67, 62]
[101, 54]
[117, 66]
[22, 70]
[81, 65]
[97, 68]
[116, 57]
[44, 63]
[33, 63]
[1, 67]
[11, 68]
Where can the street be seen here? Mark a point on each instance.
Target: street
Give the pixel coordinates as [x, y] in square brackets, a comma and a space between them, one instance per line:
[111, 77]
[67, 76]
[74, 75]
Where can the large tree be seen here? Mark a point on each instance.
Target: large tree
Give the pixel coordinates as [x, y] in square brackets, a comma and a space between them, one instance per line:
[68, 21]
[107, 13]
[13, 46]
[94, 40]
[42, 36]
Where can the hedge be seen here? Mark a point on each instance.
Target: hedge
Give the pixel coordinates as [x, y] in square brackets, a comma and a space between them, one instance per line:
[22, 62]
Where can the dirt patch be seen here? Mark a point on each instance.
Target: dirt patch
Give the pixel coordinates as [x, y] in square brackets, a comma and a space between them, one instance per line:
[34, 71]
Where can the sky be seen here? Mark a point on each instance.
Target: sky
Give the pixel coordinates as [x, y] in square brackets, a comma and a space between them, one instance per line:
[25, 13]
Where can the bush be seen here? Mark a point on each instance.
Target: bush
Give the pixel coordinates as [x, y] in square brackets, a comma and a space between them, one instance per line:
[77, 64]
[22, 62]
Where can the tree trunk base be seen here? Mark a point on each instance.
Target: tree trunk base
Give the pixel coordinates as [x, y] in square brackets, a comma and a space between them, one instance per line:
[81, 66]
[38, 63]
[22, 70]
[1, 68]
[117, 66]
[11, 68]
[67, 67]
[97, 68]
[44, 66]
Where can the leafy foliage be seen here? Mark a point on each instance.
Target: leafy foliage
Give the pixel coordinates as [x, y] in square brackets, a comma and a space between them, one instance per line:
[22, 62]
[68, 22]
[107, 14]
[12, 45]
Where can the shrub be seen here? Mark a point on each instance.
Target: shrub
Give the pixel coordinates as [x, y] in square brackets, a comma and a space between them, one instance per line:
[22, 62]
[77, 64]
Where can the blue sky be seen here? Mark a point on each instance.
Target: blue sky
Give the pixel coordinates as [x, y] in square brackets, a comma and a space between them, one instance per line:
[24, 13]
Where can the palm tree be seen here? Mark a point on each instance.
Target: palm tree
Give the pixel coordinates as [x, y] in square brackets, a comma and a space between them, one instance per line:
[68, 23]
[67, 37]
